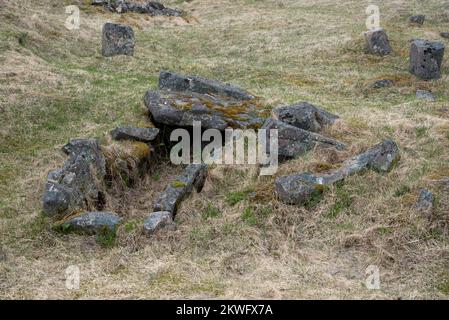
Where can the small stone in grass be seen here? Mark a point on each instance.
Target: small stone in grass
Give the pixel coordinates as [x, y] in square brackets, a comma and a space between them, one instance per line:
[425, 95]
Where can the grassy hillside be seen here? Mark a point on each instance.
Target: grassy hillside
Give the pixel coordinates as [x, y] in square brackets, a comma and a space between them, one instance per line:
[234, 240]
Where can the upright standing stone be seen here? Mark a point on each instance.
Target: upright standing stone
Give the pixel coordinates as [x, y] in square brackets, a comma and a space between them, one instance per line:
[426, 58]
[377, 42]
[117, 40]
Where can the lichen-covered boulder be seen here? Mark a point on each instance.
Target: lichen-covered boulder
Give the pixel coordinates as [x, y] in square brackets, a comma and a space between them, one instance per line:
[156, 221]
[426, 58]
[193, 177]
[134, 133]
[117, 39]
[79, 183]
[181, 109]
[298, 189]
[377, 42]
[294, 142]
[305, 116]
[92, 223]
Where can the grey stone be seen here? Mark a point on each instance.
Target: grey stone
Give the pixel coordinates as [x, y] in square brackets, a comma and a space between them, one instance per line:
[176, 82]
[117, 40]
[425, 201]
[418, 19]
[2, 255]
[194, 176]
[305, 116]
[134, 133]
[92, 223]
[426, 58]
[180, 109]
[444, 35]
[384, 83]
[377, 42]
[294, 142]
[157, 221]
[152, 8]
[297, 189]
[425, 95]
[78, 185]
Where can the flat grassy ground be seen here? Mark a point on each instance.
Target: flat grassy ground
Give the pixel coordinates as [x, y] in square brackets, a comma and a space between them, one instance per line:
[234, 240]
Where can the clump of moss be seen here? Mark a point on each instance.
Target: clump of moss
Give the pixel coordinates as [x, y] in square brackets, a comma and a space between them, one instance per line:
[178, 184]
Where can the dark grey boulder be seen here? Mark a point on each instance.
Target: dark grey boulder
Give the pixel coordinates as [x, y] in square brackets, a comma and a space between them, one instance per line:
[176, 82]
[294, 142]
[181, 109]
[426, 58]
[377, 42]
[418, 19]
[117, 39]
[425, 95]
[298, 189]
[78, 185]
[157, 221]
[152, 8]
[444, 35]
[134, 133]
[193, 177]
[425, 201]
[384, 83]
[305, 116]
[92, 223]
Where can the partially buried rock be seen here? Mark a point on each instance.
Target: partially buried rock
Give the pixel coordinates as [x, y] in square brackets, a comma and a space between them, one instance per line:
[117, 39]
[92, 223]
[444, 35]
[194, 176]
[377, 42]
[134, 133]
[298, 189]
[425, 201]
[305, 116]
[182, 100]
[426, 58]
[78, 185]
[418, 19]
[384, 83]
[425, 95]
[158, 220]
[294, 142]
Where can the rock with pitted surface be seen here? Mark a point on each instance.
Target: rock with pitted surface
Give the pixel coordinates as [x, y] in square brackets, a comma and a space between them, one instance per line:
[305, 116]
[377, 42]
[193, 177]
[79, 183]
[134, 133]
[298, 189]
[294, 142]
[157, 221]
[117, 39]
[426, 58]
[92, 223]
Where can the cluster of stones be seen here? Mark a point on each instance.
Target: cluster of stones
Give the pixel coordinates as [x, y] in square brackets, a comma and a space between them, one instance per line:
[152, 8]
[425, 56]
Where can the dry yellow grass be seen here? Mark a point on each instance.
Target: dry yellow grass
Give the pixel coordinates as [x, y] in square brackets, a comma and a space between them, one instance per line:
[54, 85]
